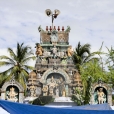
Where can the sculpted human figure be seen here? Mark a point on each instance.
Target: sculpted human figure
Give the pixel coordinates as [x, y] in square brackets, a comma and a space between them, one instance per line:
[32, 91]
[64, 93]
[57, 92]
[61, 87]
[45, 90]
[52, 84]
[39, 50]
[11, 95]
[69, 51]
[54, 51]
[101, 95]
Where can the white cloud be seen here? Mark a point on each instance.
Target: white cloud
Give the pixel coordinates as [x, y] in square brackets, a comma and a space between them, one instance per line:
[91, 21]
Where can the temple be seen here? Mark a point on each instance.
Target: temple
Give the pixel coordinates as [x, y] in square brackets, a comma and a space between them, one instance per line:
[54, 73]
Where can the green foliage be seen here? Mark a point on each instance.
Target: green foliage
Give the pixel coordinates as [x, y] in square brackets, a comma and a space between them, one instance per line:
[17, 64]
[87, 93]
[93, 69]
[43, 100]
[82, 97]
[78, 97]
[110, 55]
[82, 55]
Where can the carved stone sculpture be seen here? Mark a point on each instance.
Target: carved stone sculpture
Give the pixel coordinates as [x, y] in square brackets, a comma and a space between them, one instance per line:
[54, 37]
[52, 84]
[45, 90]
[40, 29]
[69, 51]
[101, 96]
[54, 51]
[61, 87]
[32, 91]
[68, 29]
[12, 95]
[64, 93]
[57, 92]
[39, 50]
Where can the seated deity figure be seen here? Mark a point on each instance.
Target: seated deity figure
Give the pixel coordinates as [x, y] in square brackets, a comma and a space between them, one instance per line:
[39, 50]
[52, 84]
[69, 51]
[12, 95]
[101, 96]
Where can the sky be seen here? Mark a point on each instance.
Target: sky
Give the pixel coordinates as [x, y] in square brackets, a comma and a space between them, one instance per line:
[91, 21]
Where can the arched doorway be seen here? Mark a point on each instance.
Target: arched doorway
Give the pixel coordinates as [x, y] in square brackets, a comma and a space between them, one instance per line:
[12, 93]
[15, 87]
[101, 87]
[55, 83]
[100, 95]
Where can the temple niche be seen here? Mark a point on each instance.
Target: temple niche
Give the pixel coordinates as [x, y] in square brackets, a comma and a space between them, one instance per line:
[101, 93]
[12, 91]
[12, 94]
[55, 73]
[56, 85]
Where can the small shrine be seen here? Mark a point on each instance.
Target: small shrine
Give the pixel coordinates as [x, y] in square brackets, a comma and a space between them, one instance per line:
[12, 91]
[101, 93]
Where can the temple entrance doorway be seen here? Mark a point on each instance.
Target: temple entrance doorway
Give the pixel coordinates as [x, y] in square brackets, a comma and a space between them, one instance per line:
[56, 85]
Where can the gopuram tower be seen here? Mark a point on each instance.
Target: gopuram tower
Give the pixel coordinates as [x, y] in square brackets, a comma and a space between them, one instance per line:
[55, 74]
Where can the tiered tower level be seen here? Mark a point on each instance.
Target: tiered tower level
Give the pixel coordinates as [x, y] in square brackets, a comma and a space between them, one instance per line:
[55, 72]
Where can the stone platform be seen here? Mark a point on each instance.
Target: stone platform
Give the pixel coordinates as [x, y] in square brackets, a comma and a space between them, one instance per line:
[62, 102]
[63, 99]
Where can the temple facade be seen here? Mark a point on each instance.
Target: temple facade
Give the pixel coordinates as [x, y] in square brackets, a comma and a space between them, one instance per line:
[54, 73]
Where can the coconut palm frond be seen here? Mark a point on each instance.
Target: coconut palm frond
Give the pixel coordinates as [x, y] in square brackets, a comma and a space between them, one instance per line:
[18, 62]
[28, 67]
[5, 63]
[6, 72]
[7, 58]
[25, 73]
[12, 54]
[101, 47]
[85, 49]
[28, 59]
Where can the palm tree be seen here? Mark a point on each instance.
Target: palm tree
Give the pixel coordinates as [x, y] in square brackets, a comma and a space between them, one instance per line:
[110, 55]
[110, 62]
[17, 63]
[81, 55]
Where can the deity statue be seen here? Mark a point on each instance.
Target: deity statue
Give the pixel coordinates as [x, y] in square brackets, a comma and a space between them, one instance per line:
[40, 29]
[39, 50]
[69, 51]
[54, 37]
[64, 93]
[32, 91]
[61, 87]
[12, 95]
[54, 51]
[45, 90]
[101, 96]
[57, 92]
[52, 84]
[68, 29]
